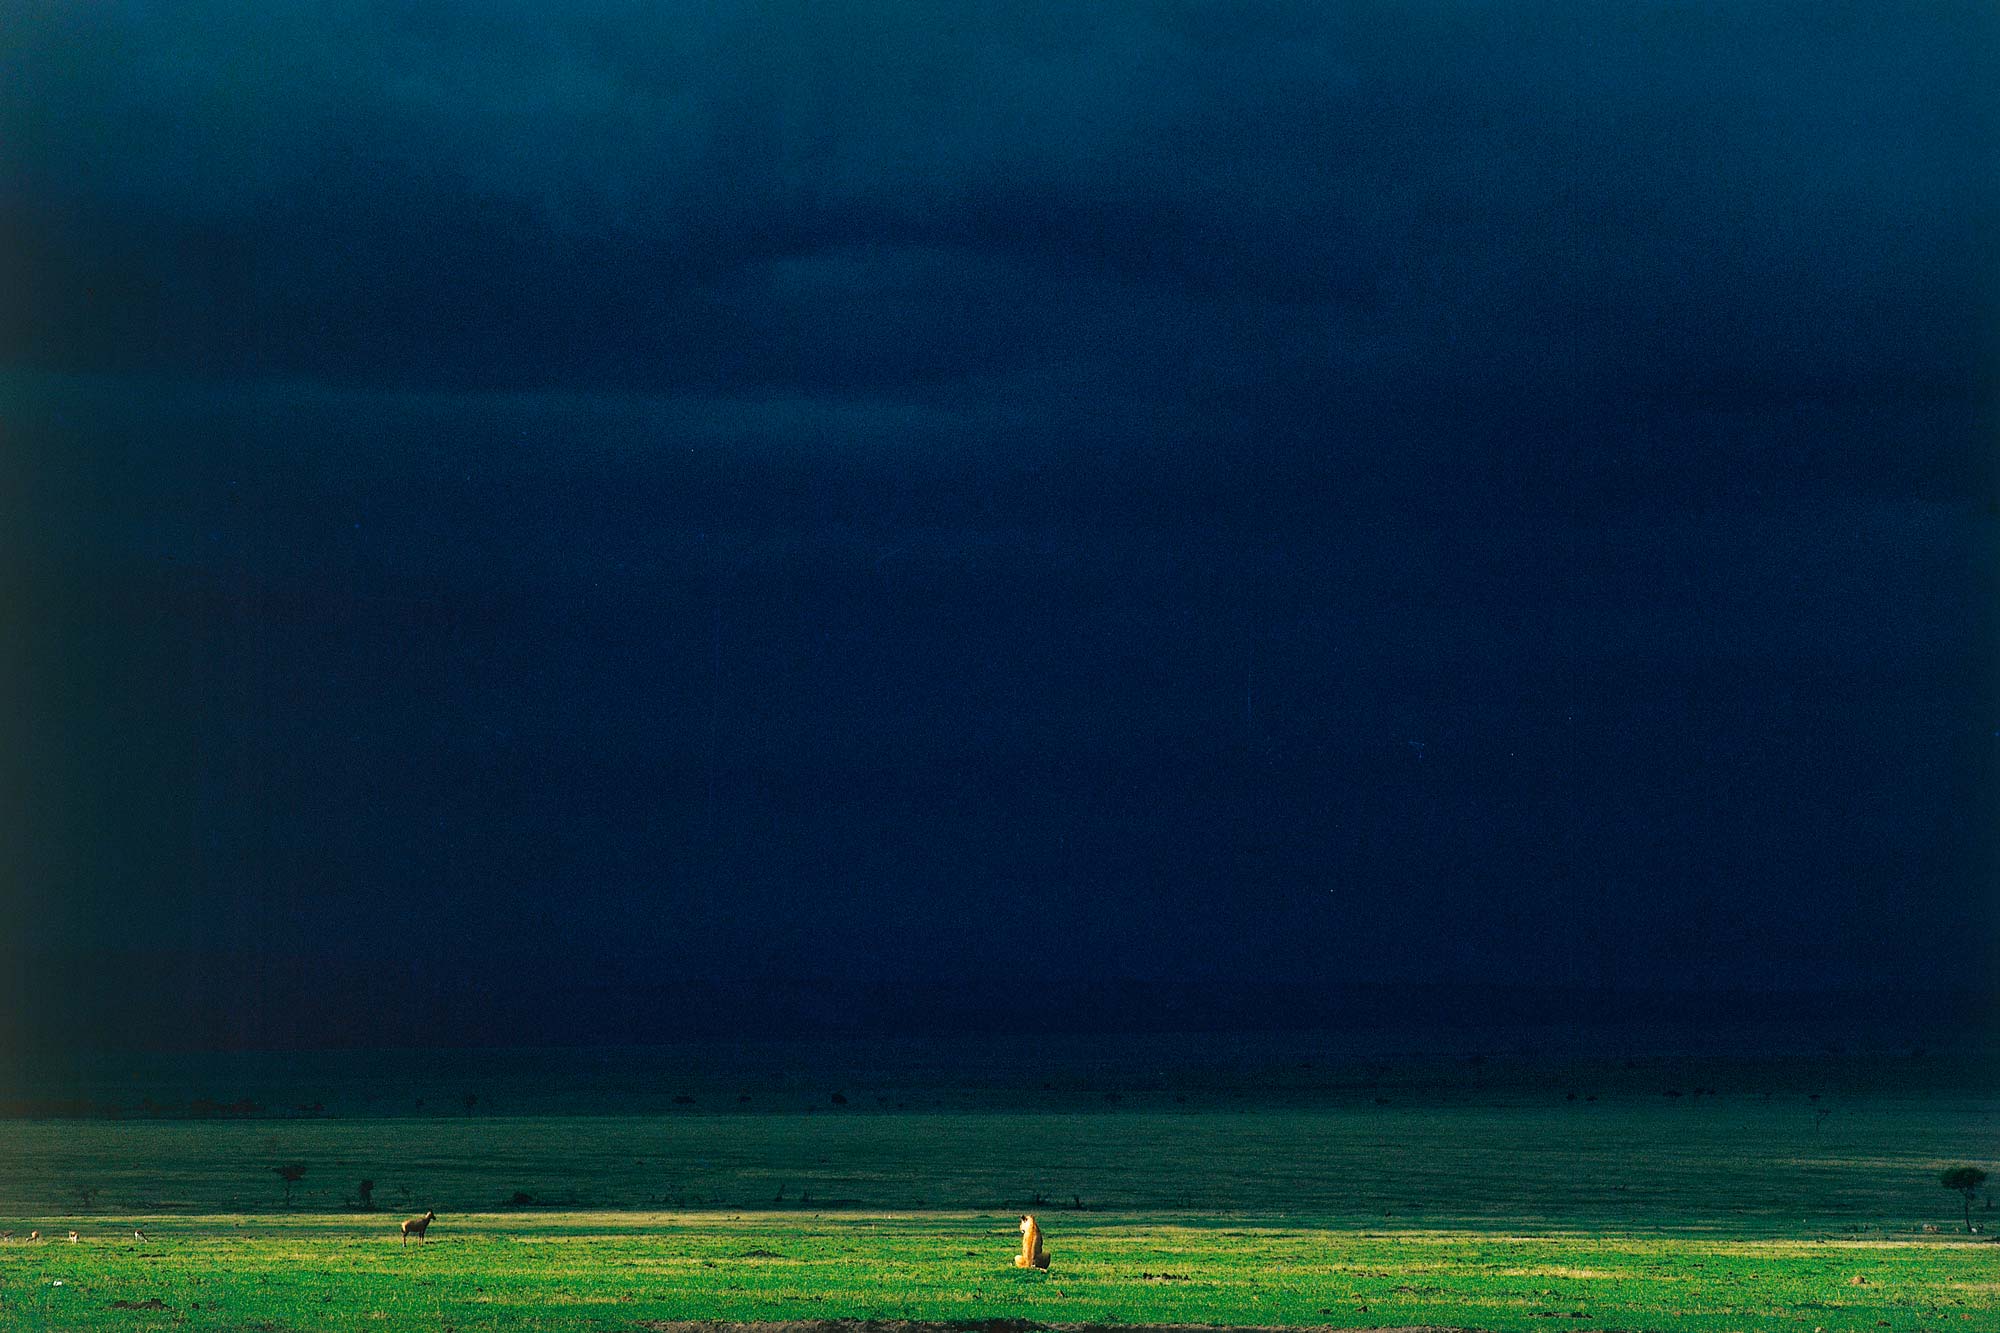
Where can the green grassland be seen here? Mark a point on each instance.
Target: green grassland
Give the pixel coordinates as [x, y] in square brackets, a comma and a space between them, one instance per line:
[1401, 1195]
[618, 1270]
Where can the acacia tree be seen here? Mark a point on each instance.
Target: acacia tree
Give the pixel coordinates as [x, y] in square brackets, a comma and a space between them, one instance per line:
[1966, 1180]
[291, 1173]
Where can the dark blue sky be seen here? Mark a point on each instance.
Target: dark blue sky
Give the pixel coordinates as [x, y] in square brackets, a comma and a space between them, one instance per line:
[1437, 492]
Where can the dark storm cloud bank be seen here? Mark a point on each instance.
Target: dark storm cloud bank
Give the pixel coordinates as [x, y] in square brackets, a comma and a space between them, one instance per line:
[1132, 263]
[172, 1001]
[1418, 491]
[528, 731]
[1211, 204]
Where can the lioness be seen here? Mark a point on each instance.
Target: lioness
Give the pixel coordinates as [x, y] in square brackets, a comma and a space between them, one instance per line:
[1032, 1254]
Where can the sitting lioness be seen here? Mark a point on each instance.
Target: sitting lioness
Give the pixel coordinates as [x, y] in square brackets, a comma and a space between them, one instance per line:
[1032, 1254]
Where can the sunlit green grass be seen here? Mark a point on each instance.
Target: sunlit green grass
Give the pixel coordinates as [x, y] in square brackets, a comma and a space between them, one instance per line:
[1503, 1210]
[615, 1270]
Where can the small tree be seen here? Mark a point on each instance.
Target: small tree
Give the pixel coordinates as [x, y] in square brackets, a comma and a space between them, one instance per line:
[291, 1173]
[1965, 1181]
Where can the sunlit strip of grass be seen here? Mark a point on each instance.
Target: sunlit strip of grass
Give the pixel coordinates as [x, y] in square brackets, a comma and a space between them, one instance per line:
[614, 1270]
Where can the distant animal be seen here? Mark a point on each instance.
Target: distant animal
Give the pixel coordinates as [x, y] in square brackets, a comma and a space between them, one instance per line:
[35, 1235]
[74, 1238]
[1032, 1254]
[417, 1226]
[1930, 1228]
[6, 1235]
[138, 1234]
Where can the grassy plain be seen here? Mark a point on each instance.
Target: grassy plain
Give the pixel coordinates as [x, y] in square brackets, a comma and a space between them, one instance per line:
[1514, 1196]
[564, 1271]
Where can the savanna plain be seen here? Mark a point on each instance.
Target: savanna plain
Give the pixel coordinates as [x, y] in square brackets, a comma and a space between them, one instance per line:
[1185, 1181]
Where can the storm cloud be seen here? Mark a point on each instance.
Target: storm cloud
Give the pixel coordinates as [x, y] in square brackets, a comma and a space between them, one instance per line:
[789, 482]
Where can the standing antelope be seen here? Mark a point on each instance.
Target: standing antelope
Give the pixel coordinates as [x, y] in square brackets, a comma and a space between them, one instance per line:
[74, 1238]
[417, 1226]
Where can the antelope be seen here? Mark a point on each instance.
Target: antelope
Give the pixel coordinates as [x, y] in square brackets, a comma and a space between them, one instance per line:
[138, 1235]
[417, 1226]
[74, 1238]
